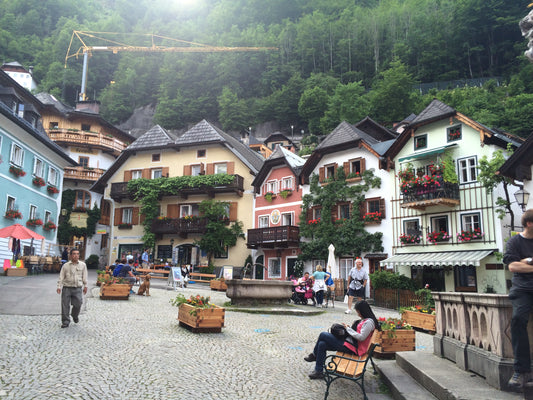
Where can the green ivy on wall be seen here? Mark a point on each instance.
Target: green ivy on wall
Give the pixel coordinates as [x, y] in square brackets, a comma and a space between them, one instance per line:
[65, 230]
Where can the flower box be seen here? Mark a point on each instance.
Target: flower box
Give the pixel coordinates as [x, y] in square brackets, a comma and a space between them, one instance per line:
[16, 271]
[125, 226]
[201, 319]
[372, 217]
[52, 189]
[435, 237]
[469, 235]
[419, 320]
[49, 226]
[16, 171]
[218, 284]
[285, 193]
[115, 291]
[401, 340]
[38, 181]
[34, 222]
[407, 239]
[13, 214]
[269, 196]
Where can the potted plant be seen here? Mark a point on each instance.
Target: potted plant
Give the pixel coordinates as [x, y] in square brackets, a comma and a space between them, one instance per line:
[372, 217]
[469, 235]
[269, 196]
[49, 226]
[218, 284]
[406, 238]
[37, 181]
[285, 193]
[313, 221]
[52, 189]
[13, 214]
[421, 315]
[34, 222]
[16, 171]
[113, 288]
[198, 314]
[438, 236]
[395, 335]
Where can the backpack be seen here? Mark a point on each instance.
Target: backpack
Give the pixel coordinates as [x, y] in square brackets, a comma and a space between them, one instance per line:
[116, 271]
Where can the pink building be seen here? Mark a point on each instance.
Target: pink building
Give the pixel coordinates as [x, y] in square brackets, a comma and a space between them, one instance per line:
[276, 235]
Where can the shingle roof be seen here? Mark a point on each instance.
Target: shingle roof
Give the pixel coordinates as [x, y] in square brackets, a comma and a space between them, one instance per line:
[434, 111]
[156, 137]
[345, 133]
[204, 132]
[294, 160]
[382, 147]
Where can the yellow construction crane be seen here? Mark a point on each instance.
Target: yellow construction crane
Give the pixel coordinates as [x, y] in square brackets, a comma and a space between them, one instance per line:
[115, 47]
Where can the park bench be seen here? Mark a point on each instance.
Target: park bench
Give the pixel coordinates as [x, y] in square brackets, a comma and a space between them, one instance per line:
[201, 277]
[348, 366]
[162, 273]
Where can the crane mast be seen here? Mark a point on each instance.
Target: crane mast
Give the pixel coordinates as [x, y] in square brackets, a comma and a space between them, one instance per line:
[115, 47]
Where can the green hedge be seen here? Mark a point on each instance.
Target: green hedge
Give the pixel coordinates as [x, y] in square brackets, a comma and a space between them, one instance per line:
[388, 280]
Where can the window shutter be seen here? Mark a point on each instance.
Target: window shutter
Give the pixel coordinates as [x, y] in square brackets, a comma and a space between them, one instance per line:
[165, 172]
[382, 207]
[127, 176]
[346, 166]
[202, 169]
[230, 168]
[335, 172]
[233, 211]
[146, 173]
[172, 211]
[118, 216]
[186, 170]
[309, 214]
[321, 174]
[141, 219]
[334, 212]
[362, 209]
[210, 169]
[363, 165]
[135, 216]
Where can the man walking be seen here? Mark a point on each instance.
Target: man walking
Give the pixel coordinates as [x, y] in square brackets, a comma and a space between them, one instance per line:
[72, 278]
[518, 257]
[357, 280]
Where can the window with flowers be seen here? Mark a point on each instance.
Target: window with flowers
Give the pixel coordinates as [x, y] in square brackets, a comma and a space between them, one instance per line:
[453, 133]
[421, 142]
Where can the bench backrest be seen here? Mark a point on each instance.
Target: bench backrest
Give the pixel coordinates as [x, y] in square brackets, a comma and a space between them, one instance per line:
[349, 364]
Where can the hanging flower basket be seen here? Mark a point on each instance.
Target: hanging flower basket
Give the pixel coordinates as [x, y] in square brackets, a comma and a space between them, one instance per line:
[435, 237]
[34, 222]
[49, 226]
[285, 193]
[406, 238]
[13, 214]
[269, 196]
[52, 189]
[469, 235]
[38, 181]
[16, 171]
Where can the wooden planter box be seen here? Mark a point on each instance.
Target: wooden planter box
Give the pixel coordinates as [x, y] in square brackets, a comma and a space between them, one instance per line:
[402, 340]
[115, 291]
[419, 320]
[105, 276]
[16, 271]
[218, 285]
[205, 320]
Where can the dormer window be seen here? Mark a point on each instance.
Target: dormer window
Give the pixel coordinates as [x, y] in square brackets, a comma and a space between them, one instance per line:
[421, 142]
[454, 133]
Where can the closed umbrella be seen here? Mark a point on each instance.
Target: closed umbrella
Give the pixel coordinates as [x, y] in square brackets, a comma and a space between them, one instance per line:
[332, 264]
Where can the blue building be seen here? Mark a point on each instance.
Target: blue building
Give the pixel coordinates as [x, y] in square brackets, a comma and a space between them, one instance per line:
[31, 170]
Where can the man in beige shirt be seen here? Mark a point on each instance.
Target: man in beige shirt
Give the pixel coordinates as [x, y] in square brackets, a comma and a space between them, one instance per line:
[72, 278]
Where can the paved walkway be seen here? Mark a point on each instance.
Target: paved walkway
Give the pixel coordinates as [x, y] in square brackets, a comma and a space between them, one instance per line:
[135, 349]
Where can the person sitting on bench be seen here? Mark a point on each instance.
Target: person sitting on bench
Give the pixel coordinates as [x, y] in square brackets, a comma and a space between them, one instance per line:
[127, 272]
[357, 340]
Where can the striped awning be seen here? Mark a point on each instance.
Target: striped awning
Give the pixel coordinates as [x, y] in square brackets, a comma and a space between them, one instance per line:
[437, 259]
[426, 153]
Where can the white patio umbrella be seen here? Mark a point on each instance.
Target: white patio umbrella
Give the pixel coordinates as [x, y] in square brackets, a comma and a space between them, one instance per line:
[332, 264]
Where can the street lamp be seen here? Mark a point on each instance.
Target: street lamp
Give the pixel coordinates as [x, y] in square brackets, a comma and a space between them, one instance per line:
[522, 197]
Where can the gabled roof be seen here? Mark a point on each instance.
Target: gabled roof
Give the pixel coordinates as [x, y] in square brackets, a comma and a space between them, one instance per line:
[344, 133]
[436, 110]
[206, 133]
[155, 138]
[518, 166]
[280, 156]
[377, 131]
[276, 137]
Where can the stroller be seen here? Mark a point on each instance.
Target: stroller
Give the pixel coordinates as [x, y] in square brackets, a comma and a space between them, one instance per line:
[302, 292]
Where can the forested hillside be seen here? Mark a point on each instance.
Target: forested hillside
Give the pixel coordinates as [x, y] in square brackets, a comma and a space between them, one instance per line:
[335, 59]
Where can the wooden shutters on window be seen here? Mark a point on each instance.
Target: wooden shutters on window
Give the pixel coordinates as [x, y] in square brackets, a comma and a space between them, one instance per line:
[146, 174]
[230, 168]
[321, 174]
[173, 211]
[187, 170]
[127, 176]
[233, 211]
[118, 216]
[134, 219]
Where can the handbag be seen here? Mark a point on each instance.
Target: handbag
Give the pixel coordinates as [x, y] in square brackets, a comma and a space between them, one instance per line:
[339, 331]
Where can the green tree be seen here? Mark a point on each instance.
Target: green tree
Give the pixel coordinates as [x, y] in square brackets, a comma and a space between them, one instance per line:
[218, 237]
[349, 103]
[312, 106]
[233, 112]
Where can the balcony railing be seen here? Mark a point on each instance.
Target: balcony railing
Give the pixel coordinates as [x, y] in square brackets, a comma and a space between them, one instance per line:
[280, 236]
[85, 138]
[432, 195]
[119, 190]
[83, 174]
[179, 226]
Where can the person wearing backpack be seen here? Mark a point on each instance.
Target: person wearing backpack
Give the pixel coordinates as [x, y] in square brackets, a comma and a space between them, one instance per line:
[118, 268]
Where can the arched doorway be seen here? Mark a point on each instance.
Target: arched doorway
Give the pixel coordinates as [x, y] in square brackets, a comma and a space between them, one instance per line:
[259, 267]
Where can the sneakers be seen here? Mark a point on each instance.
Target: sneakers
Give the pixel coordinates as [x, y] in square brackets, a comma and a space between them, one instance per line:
[64, 326]
[310, 358]
[348, 311]
[519, 380]
[75, 319]
[316, 375]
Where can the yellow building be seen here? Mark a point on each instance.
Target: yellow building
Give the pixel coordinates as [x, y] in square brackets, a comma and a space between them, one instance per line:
[203, 150]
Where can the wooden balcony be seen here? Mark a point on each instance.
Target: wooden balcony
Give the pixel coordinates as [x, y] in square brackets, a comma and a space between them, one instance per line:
[273, 237]
[447, 194]
[119, 191]
[72, 137]
[179, 226]
[83, 174]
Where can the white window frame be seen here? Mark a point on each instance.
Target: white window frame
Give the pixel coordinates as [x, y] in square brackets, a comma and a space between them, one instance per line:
[467, 225]
[136, 174]
[47, 216]
[10, 203]
[263, 221]
[127, 215]
[53, 175]
[345, 266]
[314, 263]
[86, 194]
[271, 186]
[287, 183]
[433, 226]
[185, 210]
[284, 216]
[156, 171]
[465, 167]
[271, 266]
[196, 169]
[38, 167]
[223, 166]
[32, 211]
[17, 155]
[407, 231]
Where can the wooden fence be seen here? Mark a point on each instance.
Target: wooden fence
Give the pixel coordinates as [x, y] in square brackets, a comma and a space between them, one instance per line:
[395, 298]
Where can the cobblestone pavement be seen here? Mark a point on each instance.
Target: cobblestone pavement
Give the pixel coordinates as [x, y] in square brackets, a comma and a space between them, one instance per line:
[135, 349]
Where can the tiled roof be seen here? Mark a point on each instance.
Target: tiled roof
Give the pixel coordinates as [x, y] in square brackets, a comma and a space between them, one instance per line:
[48, 99]
[156, 137]
[382, 147]
[204, 132]
[434, 111]
[294, 160]
[345, 133]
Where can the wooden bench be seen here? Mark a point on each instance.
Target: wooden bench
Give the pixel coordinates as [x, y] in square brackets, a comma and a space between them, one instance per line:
[197, 277]
[348, 366]
[163, 272]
